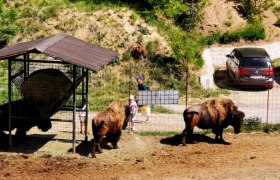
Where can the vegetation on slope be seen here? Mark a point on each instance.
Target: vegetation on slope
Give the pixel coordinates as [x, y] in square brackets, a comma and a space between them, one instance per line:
[165, 28]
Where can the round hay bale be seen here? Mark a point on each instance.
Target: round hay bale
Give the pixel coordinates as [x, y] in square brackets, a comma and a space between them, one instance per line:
[45, 88]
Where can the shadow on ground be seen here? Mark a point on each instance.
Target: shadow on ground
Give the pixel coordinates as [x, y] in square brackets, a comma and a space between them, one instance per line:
[177, 140]
[84, 148]
[31, 145]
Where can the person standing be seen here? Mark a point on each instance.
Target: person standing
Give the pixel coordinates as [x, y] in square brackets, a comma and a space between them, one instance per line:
[82, 116]
[133, 111]
[142, 87]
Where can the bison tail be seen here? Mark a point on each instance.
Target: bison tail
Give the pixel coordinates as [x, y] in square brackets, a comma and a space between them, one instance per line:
[186, 113]
[96, 128]
[189, 112]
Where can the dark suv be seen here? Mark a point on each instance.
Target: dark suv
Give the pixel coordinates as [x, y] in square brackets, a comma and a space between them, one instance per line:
[250, 67]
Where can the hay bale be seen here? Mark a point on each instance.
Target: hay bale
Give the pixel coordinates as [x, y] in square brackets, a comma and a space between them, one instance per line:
[45, 89]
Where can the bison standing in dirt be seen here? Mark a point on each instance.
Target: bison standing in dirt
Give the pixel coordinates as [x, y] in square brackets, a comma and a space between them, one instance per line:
[109, 123]
[216, 114]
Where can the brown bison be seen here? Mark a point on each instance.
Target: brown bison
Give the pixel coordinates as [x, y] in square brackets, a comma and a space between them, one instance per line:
[109, 123]
[22, 108]
[216, 114]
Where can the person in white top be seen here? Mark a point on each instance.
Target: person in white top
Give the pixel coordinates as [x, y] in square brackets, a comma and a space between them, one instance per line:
[82, 116]
[133, 111]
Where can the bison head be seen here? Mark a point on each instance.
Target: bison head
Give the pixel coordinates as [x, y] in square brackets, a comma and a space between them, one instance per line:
[44, 124]
[237, 120]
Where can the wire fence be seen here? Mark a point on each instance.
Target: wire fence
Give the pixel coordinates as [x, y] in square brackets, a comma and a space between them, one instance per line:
[166, 110]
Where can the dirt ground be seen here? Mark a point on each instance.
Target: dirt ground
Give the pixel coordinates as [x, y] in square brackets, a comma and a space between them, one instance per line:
[246, 156]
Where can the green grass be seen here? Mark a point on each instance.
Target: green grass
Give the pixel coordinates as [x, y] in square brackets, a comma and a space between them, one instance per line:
[160, 109]
[277, 23]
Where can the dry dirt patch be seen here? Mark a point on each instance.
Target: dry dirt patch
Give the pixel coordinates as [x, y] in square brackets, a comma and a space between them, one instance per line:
[249, 156]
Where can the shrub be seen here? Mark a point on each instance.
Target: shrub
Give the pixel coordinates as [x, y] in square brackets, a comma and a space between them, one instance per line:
[254, 32]
[143, 30]
[228, 23]
[8, 28]
[49, 12]
[254, 7]
[277, 23]
[212, 38]
[252, 123]
[276, 9]
[251, 32]
[229, 37]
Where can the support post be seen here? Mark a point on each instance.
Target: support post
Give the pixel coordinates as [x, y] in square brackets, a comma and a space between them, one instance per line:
[86, 120]
[74, 108]
[10, 100]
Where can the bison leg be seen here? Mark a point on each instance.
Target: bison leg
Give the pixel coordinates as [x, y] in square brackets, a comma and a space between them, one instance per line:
[92, 151]
[21, 136]
[95, 147]
[219, 135]
[116, 139]
[187, 133]
[184, 137]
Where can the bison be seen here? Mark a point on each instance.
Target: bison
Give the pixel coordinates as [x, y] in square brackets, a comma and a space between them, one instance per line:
[216, 114]
[109, 123]
[22, 108]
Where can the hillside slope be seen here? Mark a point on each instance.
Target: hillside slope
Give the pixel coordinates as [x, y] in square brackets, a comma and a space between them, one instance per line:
[223, 15]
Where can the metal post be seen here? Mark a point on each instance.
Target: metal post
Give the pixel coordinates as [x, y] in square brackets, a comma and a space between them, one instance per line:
[24, 65]
[10, 100]
[129, 87]
[74, 108]
[28, 63]
[86, 120]
[187, 79]
[83, 88]
[267, 107]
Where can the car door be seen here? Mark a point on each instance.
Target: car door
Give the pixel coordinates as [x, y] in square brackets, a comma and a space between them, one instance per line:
[231, 64]
[235, 64]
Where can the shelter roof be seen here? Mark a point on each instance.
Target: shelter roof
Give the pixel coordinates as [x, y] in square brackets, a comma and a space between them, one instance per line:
[65, 48]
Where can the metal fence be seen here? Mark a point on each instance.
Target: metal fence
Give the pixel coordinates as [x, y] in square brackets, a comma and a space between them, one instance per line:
[166, 105]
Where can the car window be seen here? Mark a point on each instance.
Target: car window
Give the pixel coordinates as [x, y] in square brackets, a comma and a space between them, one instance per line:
[255, 62]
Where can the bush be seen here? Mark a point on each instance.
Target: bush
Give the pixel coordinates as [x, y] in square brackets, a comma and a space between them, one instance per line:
[212, 38]
[277, 23]
[229, 37]
[254, 7]
[252, 123]
[7, 24]
[253, 31]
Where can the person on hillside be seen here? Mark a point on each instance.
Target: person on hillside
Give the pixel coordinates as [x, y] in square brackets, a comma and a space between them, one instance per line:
[146, 109]
[133, 111]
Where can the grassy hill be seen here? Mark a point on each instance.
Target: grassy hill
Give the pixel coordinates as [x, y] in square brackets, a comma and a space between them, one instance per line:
[173, 37]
